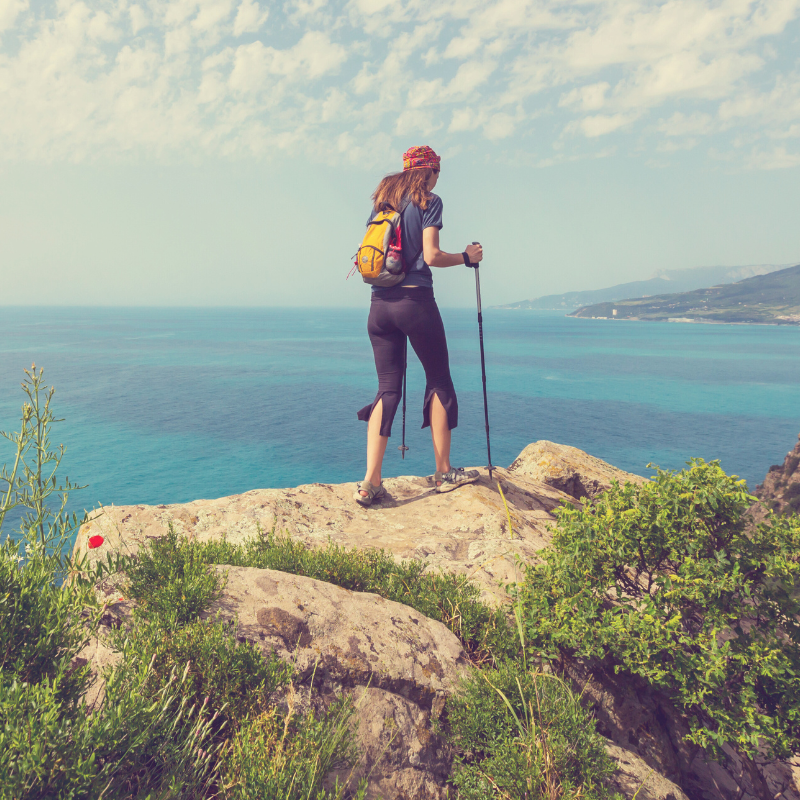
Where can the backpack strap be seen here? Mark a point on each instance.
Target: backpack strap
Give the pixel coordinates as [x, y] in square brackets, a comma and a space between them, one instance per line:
[403, 206]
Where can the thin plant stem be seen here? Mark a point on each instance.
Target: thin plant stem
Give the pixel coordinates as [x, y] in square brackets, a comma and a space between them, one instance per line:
[508, 513]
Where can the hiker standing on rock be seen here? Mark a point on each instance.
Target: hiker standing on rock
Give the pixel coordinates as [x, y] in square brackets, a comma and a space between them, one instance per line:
[405, 223]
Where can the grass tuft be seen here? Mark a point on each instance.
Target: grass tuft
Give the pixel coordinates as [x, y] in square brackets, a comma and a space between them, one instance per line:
[523, 734]
[170, 579]
[229, 678]
[288, 758]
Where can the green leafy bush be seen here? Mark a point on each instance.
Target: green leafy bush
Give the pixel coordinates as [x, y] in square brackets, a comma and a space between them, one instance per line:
[169, 578]
[521, 734]
[448, 598]
[665, 581]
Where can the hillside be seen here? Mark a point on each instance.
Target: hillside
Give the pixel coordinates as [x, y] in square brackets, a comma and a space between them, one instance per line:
[772, 298]
[781, 488]
[673, 280]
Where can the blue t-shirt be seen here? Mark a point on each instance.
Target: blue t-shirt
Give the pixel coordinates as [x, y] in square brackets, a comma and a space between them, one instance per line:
[415, 220]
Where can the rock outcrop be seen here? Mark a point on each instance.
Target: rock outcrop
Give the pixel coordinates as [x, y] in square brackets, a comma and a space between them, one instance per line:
[650, 732]
[781, 488]
[568, 469]
[398, 665]
[465, 532]
[635, 778]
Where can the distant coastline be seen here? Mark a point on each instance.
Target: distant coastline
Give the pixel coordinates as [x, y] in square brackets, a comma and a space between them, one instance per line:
[686, 320]
[770, 299]
[663, 282]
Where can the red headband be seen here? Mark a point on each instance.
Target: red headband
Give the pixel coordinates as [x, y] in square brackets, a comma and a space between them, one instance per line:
[420, 158]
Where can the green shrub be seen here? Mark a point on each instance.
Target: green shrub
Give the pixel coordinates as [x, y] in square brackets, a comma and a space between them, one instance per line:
[170, 579]
[522, 734]
[228, 678]
[135, 745]
[132, 745]
[274, 758]
[665, 581]
[448, 598]
[41, 624]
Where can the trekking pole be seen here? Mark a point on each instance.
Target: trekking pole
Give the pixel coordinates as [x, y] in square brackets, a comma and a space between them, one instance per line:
[483, 364]
[403, 447]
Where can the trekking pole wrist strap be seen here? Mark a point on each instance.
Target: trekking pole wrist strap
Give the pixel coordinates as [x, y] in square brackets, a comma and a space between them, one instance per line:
[467, 262]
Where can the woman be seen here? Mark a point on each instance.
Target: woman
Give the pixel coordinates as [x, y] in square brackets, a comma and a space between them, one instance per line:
[409, 310]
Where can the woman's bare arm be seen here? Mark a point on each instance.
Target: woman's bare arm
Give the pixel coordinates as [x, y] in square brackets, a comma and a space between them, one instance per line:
[434, 257]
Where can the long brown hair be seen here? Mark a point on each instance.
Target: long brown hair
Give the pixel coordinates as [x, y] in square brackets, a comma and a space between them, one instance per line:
[411, 183]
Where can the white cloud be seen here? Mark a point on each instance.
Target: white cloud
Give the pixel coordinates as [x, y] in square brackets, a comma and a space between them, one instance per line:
[170, 77]
[417, 122]
[466, 119]
[779, 158]
[600, 124]
[779, 104]
[250, 68]
[470, 76]
[305, 9]
[680, 124]
[499, 126]
[312, 57]
[462, 47]
[684, 75]
[586, 98]
[138, 17]
[788, 133]
[9, 11]
[675, 145]
[210, 15]
[249, 17]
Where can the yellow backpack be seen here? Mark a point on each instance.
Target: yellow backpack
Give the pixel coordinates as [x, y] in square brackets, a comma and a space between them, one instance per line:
[380, 257]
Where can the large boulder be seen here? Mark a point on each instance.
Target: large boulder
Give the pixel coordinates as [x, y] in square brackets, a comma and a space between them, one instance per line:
[399, 665]
[342, 638]
[568, 469]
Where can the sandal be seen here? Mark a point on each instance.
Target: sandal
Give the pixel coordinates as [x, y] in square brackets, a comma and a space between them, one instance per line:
[457, 476]
[373, 493]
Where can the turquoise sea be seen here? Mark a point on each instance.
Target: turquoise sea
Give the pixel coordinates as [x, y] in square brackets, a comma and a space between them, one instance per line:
[170, 405]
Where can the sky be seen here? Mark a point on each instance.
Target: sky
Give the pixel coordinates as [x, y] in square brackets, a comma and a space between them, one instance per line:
[223, 152]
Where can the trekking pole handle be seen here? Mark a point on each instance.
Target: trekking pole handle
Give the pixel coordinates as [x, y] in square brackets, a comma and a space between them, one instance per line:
[467, 262]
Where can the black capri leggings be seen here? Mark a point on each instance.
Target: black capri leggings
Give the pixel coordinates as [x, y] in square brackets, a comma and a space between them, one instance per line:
[411, 312]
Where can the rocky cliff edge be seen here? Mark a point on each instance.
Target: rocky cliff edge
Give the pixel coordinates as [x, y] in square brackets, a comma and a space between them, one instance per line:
[465, 531]
[401, 667]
